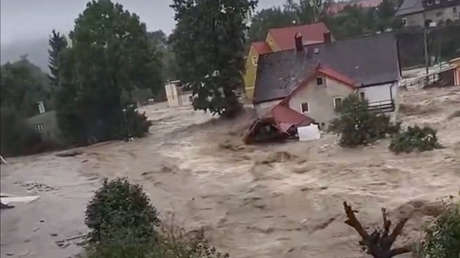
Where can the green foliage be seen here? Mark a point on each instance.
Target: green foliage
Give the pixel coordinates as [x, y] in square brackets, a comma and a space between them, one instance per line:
[356, 125]
[442, 238]
[57, 43]
[266, 19]
[415, 139]
[209, 45]
[120, 213]
[137, 125]
[22, 84]
[16, 136]
[110, 53]
[124, 224]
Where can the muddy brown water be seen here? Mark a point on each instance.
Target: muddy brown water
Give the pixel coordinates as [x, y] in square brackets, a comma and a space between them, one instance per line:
[272, 200]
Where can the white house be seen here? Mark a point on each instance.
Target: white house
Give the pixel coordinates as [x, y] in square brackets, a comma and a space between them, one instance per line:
[313, 80]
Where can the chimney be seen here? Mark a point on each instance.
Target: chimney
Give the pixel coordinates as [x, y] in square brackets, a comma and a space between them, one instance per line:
[327, 37]
[298, 42]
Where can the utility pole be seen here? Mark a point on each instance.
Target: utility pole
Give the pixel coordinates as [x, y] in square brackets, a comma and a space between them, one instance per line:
[425, 39]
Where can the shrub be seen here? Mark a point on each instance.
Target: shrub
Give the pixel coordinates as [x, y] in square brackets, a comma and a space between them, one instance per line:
[16, 136]
[415, 139]
[442, 238]
[121, 213]
[356, 125]
[137, 124]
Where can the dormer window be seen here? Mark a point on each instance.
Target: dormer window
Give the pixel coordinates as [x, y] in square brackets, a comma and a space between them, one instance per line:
[319, 81]
[429, 2]
[437, 1]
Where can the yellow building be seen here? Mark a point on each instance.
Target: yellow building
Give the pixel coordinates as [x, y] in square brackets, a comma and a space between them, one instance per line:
[279, 39]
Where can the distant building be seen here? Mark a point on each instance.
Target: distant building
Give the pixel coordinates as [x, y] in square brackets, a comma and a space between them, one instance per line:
[46, 124]
[336, 7]
[456, 64]
[177, 96]
[422, 12]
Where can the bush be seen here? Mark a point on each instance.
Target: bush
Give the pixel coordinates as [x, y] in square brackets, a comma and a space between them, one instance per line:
[415, 139]
[17, 137]
[137, 124]
[121, 213]
[442, 238]
[356, 125]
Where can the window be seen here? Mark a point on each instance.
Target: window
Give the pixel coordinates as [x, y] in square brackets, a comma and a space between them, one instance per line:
[39, 127]
[190, 98]
[337, 103]
[438, 14]
[454, 10]
[305, 107]
[437, 1]
[254, 60]
[319, 81]
[404, 21]
[362, 95]
[429, 2]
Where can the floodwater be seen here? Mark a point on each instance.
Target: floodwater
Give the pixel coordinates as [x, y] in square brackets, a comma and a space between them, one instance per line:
[271, 200]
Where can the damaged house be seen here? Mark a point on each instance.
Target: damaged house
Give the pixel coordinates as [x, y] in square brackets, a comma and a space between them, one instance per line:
[305, 85]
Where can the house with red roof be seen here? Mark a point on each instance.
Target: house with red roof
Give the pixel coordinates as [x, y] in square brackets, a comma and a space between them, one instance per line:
[280, 39]
[307, 84]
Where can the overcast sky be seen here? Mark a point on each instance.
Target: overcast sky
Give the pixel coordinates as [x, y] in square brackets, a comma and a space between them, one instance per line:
[34, 19]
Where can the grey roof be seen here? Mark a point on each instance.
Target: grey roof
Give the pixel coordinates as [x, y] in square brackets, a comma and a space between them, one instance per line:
[410, 6]
[415, 6]
[365, 60]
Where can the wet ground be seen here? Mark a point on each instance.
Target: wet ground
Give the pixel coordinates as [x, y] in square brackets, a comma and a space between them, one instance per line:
[272, 200]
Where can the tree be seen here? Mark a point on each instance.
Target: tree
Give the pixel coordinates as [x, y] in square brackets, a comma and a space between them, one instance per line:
[209, 45]
[121, 212]
[110, 53]
[379, 242]
[57, 43]
[22, 84]
[266, 19]
[356, 125]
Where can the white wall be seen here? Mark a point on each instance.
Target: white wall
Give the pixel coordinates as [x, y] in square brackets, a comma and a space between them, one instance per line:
[320, 99]
[380, 92]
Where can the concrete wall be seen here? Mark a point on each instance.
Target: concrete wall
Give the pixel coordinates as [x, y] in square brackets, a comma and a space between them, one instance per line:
[320, 99]
[436, 15]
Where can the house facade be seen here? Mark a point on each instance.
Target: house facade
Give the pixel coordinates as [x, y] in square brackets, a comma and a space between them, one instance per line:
[422, 12]
[280, 39]
[177, 96]
[46, 125]
[313, 80]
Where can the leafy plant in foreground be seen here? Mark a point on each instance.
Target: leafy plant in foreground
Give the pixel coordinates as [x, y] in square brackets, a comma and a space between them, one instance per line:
[121, 213]
[415, 139]
[356, 125]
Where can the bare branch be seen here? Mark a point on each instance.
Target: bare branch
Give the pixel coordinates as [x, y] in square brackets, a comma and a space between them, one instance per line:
[386, 223]
[378, 244]
[397, 230]
[400, 250]
[354, 223]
